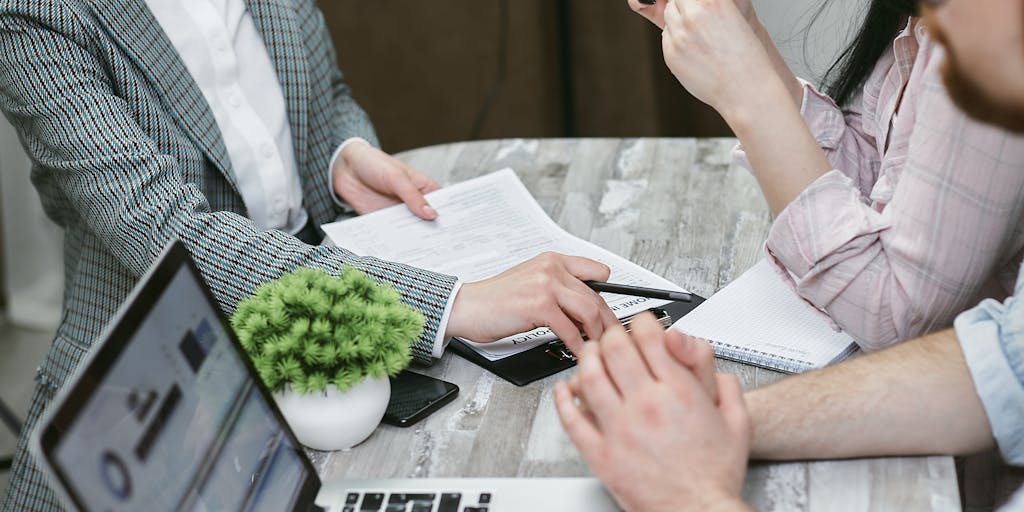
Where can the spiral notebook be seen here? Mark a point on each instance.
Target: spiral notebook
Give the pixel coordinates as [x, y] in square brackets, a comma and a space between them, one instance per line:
[757, 319]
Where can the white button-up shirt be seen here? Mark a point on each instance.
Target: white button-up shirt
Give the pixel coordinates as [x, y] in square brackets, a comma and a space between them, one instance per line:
[213, 37]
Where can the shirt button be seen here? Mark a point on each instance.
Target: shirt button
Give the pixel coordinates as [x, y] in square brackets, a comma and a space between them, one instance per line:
[267, 150]
[234, 100]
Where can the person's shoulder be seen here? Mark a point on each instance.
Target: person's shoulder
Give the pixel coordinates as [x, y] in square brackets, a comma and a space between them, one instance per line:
[48, 12]
[70, 18]
[39, 7]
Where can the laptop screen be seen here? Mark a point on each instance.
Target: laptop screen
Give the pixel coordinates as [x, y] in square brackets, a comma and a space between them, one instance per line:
[167, 416]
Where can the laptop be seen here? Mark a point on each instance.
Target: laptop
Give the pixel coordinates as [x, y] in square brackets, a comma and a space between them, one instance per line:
[166, 414]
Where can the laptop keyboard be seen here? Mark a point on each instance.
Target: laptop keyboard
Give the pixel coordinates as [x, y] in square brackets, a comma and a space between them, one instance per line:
[452, 501]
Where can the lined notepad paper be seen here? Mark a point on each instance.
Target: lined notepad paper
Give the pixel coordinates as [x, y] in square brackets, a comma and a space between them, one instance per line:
[758, 319]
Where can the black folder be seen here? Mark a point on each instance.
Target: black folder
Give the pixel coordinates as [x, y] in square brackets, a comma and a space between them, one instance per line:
[552, 357]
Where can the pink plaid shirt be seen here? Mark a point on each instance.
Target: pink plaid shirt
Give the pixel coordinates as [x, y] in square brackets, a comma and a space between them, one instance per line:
[921, 216]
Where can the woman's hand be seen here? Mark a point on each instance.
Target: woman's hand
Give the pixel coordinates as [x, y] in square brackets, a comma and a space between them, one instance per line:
[369, 179]
[547, 290]
[711, 49]
[655, 13]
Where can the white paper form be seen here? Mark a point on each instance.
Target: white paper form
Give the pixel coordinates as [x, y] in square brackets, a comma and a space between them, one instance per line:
[485, 226]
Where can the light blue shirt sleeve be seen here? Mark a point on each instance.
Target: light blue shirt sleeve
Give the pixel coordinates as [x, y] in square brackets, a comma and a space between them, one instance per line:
[992, 339]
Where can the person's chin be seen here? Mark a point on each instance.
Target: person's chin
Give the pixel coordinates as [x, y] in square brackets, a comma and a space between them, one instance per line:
[968, 95]
[978, 105]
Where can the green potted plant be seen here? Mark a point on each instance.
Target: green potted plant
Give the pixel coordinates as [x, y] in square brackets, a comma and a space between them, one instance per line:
[325, 347]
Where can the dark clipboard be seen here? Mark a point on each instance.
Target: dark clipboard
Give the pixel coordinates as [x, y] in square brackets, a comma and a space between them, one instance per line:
[552, 357]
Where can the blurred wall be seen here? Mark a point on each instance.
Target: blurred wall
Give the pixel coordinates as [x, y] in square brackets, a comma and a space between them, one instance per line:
[33, 280]
[809, 47]
[426, 70]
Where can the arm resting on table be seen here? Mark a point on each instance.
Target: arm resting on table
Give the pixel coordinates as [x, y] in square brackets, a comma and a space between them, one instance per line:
[916, 398]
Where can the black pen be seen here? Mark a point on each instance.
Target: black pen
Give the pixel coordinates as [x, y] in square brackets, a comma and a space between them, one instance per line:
[638, 291]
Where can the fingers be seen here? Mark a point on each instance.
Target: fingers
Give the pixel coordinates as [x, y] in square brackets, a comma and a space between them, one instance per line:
[584, 269]
[412, 196]
[667, 353]
[563, 327]
[650, 339]
[600, 394]
[732, 405]
[574, 384]
[696, 355]
[623, 361]
[653, 12]
[575, 300]
[585, 309]
[578, 425]
[422, 182]
[599, 315]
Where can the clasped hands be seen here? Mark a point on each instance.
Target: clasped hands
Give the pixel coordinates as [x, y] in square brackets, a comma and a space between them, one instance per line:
[655, 422]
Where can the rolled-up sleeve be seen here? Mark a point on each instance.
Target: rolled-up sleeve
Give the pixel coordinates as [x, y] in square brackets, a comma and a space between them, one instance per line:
[840, 132]
[992, 339]
[906, 258]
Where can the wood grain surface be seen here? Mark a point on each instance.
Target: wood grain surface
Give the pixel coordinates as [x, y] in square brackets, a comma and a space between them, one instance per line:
[679, 208]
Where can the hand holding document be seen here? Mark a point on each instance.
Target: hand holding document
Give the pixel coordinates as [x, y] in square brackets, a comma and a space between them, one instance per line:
[545, 290]
[486, 226]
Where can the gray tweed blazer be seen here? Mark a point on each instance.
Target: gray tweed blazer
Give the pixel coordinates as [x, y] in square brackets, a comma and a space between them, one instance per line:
[127, 156]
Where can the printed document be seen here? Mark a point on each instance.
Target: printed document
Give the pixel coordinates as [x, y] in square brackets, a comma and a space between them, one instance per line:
[485, 226]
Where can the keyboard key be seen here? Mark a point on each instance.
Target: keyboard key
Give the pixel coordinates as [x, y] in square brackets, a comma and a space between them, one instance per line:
[485, 497]
[348, 508]
[406, 498]
[352, 498]
[395, 507]
[449, 502]
[372, 501]
[422, 507]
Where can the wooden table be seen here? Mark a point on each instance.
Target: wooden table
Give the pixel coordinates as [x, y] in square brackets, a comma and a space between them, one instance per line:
[679, 208]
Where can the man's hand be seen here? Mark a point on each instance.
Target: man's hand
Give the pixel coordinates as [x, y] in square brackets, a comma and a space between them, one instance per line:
[648, 426]
[546, 291]
[693, 353]
[369, 179]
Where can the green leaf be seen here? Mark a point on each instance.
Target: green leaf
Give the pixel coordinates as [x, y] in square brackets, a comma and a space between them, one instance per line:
[376, 369]
[312, 353]
[290, 369]
[316, 383]
[346, 377]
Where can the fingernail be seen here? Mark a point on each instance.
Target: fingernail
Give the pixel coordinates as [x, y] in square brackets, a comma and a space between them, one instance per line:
[429, 211]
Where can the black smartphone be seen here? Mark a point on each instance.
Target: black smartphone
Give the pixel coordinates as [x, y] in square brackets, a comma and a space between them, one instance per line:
[414, 396]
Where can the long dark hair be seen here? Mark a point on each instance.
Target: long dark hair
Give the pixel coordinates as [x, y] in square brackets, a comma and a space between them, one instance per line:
[883, 21]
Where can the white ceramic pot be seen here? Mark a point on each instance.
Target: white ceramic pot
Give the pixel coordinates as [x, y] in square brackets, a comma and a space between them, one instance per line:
[334, 420]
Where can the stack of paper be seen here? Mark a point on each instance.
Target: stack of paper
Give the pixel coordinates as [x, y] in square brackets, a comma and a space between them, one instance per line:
[485, 226]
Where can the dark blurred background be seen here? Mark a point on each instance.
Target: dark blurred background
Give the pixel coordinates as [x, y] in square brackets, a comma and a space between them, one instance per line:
[439, 71]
